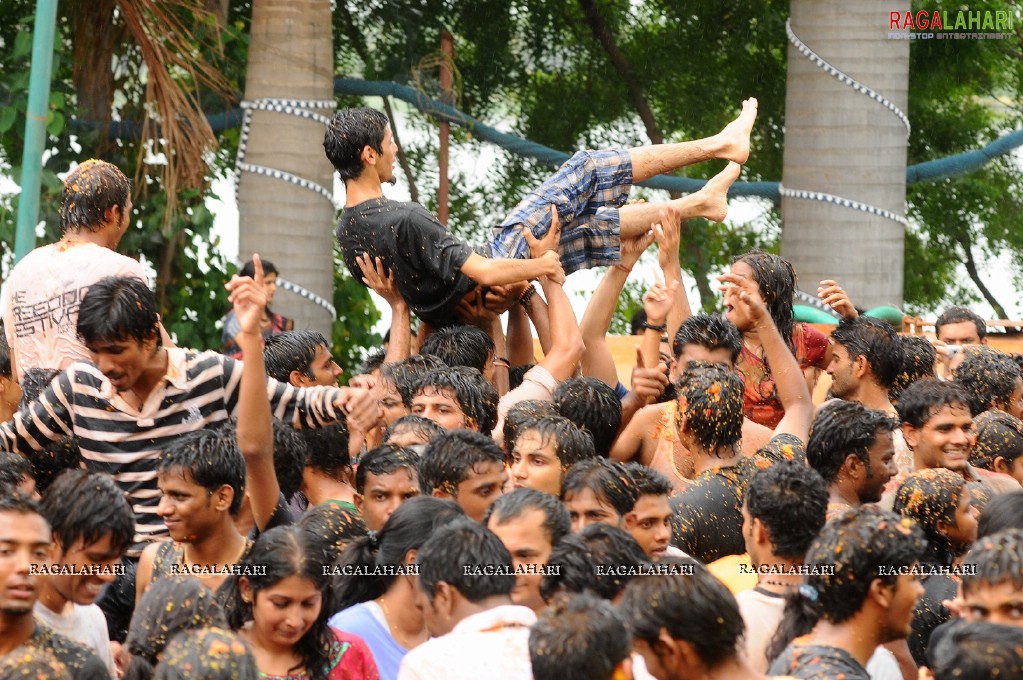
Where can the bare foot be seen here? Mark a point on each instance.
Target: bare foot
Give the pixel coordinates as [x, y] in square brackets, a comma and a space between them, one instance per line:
[711, 202]
[735, 137]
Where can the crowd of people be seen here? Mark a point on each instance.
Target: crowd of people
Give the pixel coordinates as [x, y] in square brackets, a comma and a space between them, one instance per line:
[464, 510]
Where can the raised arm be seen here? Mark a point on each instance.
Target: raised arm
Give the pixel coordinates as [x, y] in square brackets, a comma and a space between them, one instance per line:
[254, 433]
[597, 360]
[488, 272]
[669, 233]
[47, 419]
[566, 341]
[792, 390]
[381, 282]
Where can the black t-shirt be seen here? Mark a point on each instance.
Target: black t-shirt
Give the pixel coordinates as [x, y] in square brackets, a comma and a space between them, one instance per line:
[80, 662]
[424, 256]
[929, 612]
[707, 516]
[818, 662]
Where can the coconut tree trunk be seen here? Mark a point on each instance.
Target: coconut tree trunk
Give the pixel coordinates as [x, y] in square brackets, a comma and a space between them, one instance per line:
[841, 142]
[290, 57]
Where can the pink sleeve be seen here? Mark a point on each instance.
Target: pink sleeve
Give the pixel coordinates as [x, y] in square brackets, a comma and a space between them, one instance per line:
[357, 662]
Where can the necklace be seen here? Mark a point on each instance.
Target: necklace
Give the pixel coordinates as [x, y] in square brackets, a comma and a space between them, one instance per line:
[778, 584]
[214, 570]
[392, 625]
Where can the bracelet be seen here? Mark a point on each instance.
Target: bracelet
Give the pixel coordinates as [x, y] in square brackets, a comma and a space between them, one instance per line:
[528, 293]
[655, 327]
[627, 270]
[501, 362]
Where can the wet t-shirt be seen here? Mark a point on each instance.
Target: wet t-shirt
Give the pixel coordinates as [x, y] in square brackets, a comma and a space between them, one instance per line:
[423, 255]
[818, 662]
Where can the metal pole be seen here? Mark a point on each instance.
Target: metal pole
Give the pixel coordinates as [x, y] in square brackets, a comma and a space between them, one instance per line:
[35, 126]
[447, 49]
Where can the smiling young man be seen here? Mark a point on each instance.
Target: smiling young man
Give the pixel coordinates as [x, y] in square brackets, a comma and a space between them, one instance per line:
[938, 428]
[89, 537]
[202, 484]
[466, 467]
[434, 271]
[25, 540]
[137, 396]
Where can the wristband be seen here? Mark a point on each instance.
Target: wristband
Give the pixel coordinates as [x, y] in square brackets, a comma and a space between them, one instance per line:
[501, 362]
[528, 293]
[662, 328]
[627, 270]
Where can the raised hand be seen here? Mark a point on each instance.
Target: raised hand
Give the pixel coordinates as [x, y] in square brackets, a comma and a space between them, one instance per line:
[658, 300]
[648, 383]
[835, 297]
[634, 247]
[668, 233]
[361, 409]
[378, 278]
[745, 293]
[550, 240]
[248, 297]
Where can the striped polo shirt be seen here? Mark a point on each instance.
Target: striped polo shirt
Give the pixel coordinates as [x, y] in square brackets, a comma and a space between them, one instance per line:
[199, 390]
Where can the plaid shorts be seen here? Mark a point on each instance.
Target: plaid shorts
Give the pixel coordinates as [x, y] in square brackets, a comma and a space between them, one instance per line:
[587, 190]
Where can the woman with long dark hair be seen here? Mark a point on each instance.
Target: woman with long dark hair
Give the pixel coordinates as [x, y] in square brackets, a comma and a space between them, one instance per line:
[382, 608]
[776, 281]
[276, 604]
[270, 323]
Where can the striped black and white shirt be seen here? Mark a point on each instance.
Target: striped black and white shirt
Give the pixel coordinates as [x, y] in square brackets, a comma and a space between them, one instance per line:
[199, 390]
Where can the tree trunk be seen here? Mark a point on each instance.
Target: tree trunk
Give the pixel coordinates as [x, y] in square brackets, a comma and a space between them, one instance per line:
[841, 142]
[290, 57]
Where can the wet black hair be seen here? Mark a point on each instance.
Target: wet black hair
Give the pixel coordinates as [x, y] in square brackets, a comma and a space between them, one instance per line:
[449, 459]
[841, 428]
[90, 189]
[405, 373]
[609, 481]
[571, 444]
[993, 560]
[14, 469]
[649, 482]
[57, 456]
[924, 398]
[99, 508]
[474, 394]
[522, 414]
[710, 332]
[556, 524]
[384, 460]
[710, 400]
[290, 457]
[348, 133]
[1004, 511]
[594, 407]
[977, 650]
[460, 346]
[999, 435]
[462, 543]
[791, 502]
[580, 637]
[327, 449]
[686, 601]
[575, 559]
[918, 357]
[118, 308]
[876, 341]
[422, 427]
[776, 280]
[408, 528]
[988, 376]
[171, 605]
[16, 501]
[958, 315]
[374, 360]
[516, 374]
[292, 351]
[5, 355]
[277, 554]
[211, 458]
[334, 527]
[850, 552]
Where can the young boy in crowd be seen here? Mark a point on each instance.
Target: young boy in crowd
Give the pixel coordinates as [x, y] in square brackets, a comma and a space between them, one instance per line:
[466, 467]
[387, 477]
[544, 452]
